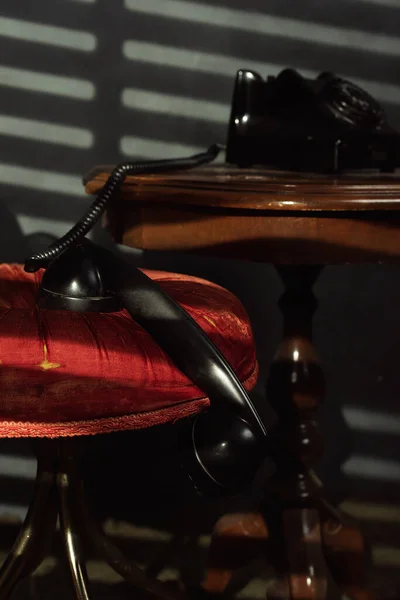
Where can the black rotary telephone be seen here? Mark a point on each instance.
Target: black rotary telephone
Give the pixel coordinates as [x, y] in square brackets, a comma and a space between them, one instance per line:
[324, 125]
[228, 442]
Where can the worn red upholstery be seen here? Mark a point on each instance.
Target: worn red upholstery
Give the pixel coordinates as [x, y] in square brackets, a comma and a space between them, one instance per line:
[65, 373]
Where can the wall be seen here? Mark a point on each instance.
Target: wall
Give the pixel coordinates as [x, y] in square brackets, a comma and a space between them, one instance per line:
[84, 82]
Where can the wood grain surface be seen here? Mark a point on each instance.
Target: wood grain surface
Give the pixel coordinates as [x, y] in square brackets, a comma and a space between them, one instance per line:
[259, 215]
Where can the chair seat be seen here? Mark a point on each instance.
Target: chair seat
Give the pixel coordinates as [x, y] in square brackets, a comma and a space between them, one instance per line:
[64, 373]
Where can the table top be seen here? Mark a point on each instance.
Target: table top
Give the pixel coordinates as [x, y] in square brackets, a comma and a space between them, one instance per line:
[226, 186]
[259, 214]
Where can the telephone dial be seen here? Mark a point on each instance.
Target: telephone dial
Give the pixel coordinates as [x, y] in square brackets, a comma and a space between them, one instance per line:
[325, 125]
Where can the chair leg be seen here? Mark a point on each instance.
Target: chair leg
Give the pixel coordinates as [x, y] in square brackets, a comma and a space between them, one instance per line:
[38, 528]
[70, 532]
[75, 505]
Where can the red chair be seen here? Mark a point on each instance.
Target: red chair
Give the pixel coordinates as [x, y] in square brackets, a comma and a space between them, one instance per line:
[66, 374]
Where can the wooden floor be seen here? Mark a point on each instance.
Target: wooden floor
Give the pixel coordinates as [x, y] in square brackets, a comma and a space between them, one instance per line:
[380, 522]
[150, 509]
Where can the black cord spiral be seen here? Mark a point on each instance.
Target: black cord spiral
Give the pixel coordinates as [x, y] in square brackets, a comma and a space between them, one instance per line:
[114, 181]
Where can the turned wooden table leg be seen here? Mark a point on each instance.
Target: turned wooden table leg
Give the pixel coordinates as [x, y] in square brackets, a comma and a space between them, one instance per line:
[295, 390]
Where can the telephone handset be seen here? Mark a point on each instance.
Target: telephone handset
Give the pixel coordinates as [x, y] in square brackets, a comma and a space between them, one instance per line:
[228, 442]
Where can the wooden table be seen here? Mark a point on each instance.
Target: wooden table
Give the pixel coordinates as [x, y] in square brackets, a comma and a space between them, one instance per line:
[299, 223]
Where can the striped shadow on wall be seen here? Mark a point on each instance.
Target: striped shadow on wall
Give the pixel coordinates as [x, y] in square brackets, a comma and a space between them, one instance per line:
[94, 81]
[84, 82]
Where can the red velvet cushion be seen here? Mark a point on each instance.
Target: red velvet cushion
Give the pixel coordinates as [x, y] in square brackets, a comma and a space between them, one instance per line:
[65, 373]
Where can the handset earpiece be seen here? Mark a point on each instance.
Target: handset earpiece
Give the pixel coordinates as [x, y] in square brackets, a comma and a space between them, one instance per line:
[223, 451]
